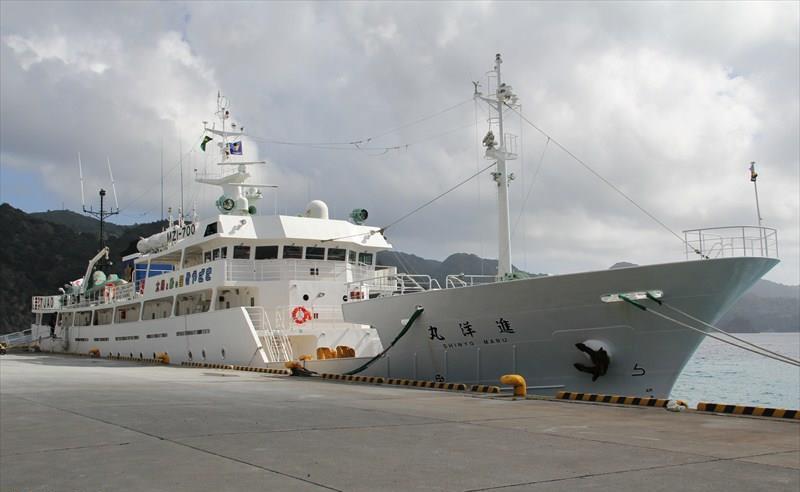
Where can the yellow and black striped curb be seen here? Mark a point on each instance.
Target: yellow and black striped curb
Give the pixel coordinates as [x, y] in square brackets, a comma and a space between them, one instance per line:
[263, 370]
[427, 384]
[778, 413]
[483, 388]
[413, 383]
[619, 400]
[360, 379]
[134, 359]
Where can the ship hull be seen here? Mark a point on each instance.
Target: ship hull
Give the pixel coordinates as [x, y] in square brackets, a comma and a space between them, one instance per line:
[226, 336]
[531, 327]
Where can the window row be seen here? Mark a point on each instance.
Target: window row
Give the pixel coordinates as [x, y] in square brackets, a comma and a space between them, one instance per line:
[243, 252]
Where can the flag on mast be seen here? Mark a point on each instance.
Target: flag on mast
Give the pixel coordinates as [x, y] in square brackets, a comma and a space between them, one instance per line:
[753, 173]
[206, 139]
[235, 148]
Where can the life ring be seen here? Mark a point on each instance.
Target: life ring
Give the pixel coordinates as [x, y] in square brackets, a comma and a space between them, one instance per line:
[300, 315]
[108, 292]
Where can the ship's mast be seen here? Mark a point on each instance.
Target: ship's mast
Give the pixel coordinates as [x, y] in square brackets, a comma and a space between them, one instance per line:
[504, 230]
[239, 194]
[497, 149]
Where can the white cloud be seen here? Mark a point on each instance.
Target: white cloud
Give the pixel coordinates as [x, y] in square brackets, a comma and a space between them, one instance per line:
[670, 101]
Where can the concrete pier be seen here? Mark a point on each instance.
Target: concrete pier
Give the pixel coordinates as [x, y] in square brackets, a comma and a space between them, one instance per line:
[70, 423]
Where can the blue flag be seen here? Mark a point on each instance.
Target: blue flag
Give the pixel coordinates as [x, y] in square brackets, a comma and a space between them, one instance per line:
[235, 148]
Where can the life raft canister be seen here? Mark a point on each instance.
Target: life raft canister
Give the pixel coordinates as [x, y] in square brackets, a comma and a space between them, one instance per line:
[300, 315]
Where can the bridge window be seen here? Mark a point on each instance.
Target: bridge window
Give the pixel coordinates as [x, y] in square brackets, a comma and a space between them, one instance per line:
[241, 252]
[351, 258]
[206, 256]
[211, 229]
[293, 252]
[315, 253]
[365, 258]
[336, 254]
[266, 252]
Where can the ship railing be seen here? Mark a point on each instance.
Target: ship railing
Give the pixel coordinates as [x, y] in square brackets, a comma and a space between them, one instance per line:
[391, 283]
[106, 295]
[272, 270]
[730, 241]
[462, 280]
[273, 339]
[17, 339]
[44, 303]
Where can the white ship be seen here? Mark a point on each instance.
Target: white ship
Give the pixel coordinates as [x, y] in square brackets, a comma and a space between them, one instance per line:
[239, 288]
[623, 331]
[256, 290]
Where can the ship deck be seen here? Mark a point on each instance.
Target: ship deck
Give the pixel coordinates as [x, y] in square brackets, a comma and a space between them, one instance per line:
[70, 423]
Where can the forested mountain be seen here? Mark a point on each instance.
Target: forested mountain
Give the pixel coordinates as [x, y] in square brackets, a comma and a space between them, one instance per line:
[40, 252]
[38, 255]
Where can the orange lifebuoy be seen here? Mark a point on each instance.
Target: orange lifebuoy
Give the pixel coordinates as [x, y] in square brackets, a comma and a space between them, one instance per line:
[300, 315]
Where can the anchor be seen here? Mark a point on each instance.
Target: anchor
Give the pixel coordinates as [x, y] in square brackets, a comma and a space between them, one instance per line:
[599, 357]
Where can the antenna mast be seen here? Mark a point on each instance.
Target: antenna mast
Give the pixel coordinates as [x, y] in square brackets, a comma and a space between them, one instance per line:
[162, 179]
[113, 186]
[238, 194]
[498, 150]
[102, 214]
[80, 173]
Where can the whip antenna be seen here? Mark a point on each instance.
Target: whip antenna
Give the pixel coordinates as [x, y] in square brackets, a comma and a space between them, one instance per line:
[113, 186]
[80, 173]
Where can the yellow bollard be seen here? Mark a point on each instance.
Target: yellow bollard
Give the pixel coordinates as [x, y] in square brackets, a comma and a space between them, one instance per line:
[518, 382]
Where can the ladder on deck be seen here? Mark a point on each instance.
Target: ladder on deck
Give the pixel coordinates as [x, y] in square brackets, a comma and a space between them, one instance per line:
[273, 340]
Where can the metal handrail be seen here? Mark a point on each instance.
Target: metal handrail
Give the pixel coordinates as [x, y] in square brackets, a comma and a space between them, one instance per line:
[730, 241]
[393, 283]
[276, 343]
[462, 280]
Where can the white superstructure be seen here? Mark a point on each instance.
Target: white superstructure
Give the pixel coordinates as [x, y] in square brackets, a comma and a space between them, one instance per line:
[238, 288]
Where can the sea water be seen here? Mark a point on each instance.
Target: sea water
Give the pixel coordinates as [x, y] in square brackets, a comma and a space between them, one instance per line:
[720, 373]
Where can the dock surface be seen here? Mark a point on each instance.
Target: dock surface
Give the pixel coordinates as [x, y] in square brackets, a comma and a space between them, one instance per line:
[74, 423]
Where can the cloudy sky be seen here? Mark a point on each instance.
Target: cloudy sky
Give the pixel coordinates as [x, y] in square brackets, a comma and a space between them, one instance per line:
[669, 101]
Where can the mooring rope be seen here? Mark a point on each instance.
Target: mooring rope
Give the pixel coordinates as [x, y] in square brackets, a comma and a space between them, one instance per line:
[779, 357]
[742, 340]
[410, 322]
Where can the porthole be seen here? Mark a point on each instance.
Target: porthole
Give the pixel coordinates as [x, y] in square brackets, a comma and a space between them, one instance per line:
[130, 355]
[203, 353]
[141, 356]
[117, 354]
[190, 355]
[154, 355]
[222, 352]
[344, 298]
[305, 297]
